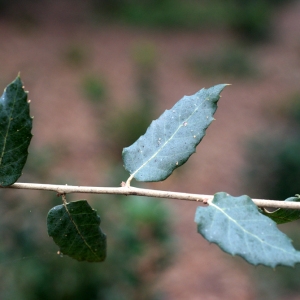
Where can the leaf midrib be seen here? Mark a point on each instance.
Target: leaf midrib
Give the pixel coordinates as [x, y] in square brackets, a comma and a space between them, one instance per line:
[79, 233]
[8, 126]
[248, 232]
[167, 141]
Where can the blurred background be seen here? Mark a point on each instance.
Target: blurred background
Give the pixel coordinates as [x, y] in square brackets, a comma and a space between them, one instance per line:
[98, 72]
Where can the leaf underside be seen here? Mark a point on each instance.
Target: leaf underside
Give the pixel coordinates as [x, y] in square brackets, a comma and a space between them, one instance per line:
[15, 132]
[237, 227]
[171, 139]
[282, 215]
[74, 227]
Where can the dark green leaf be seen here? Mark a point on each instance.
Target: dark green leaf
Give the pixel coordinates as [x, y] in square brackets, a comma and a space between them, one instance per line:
[15, 132]
[171, 139]
[74, 227]
[235, 224]
[282, 215]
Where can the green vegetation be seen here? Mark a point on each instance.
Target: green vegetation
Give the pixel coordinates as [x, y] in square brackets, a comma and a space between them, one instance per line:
[225, 62]
[75, 55]
[274, 164]
[167, 144]
[94, 88]
[273, 172]
[140, 245]
[249, 19]
[124, 126]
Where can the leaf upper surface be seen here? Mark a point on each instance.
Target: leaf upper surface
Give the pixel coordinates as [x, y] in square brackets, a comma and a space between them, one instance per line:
[74, 227]
[238, 228]
[171, 139]
[15, 132]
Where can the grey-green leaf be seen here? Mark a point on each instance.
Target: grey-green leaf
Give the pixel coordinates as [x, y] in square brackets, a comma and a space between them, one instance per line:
[74, 227]
[283, 215]
[237, 227]
[15, 132]
[171, 139]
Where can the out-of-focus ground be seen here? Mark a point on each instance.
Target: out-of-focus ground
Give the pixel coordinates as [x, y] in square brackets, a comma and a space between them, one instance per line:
[64, 119]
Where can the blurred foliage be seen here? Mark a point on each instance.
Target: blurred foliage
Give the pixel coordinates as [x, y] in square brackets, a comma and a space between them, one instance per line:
[164, 13]
[251, 19]
[22, 13]
[273, 172]
[124, 127]
[75, 55]
[139, 233]
[144, 56]
[283, 282]
[273, 169]
[274, 166]
[140, 247]
[232, 62]
[93, 88]
[291, 111]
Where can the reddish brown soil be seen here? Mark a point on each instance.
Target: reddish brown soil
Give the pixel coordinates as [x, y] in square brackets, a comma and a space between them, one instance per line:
[64, 119]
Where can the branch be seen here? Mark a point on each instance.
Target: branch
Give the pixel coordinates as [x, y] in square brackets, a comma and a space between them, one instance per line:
[129, 190]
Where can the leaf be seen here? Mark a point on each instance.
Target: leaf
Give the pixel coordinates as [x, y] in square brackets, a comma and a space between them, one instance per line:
[283, 215]
[74, 227]
[171, 139]
[15, 132]
[235, 224]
